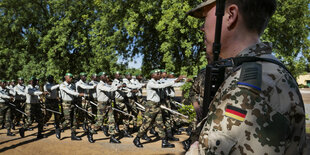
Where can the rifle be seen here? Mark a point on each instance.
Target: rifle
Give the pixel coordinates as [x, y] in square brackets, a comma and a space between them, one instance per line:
[214, 76]
[172, 111]
[115, 109]
[214, 71]
[17, 109]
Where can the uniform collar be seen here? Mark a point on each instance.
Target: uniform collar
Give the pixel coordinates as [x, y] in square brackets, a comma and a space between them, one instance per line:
[256, 50]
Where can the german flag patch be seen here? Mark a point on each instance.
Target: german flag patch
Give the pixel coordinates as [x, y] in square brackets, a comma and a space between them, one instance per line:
[235, 113]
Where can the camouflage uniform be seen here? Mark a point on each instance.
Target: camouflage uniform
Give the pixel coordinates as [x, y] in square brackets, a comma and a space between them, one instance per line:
[33, 107]
[257, 110]
[82, 87]
[120, 99]
[104, 92]
[5, 110]
[68, 94]
[153, 112]
[52, 102]
[20, 99]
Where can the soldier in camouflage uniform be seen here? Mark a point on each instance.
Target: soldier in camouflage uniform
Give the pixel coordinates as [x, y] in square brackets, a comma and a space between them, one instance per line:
[153, 112]
[120, 103]
[68, 93]
[5, 110]
[258, 109]
[52, 101]
[34, 110]
[104, 95]
[20, 98]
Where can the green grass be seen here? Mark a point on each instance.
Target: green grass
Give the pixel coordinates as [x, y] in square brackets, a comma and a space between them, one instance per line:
[308, 130]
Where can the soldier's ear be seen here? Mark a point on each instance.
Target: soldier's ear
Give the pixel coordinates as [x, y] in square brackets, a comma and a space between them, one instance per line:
[231, 16]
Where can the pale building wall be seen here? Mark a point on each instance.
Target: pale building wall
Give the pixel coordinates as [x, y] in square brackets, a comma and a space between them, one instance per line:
[302, 79]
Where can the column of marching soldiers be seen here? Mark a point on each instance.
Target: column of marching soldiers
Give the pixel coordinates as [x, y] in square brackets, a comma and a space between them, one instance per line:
[99, 105]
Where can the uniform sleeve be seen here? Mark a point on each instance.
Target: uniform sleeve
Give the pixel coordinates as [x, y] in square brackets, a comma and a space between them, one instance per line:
[71, 92]
[240, 121]
[55, 87]
[160, 86]
[106, 88]
[4, 96]
[85, 86]
[33, 92]
[19, 92]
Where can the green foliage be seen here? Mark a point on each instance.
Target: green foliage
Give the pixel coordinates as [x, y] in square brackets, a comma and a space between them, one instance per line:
[58, 36]
[188, 110]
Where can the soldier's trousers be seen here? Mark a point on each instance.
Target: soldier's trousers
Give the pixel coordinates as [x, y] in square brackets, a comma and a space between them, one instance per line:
[52, 104]
[69, 115]
[29, 117]
[35, 112]
[133, 110]
[103, 109]
[5, 112]
[17, 116]
[166, 116]
[153, 114]
[120, 104]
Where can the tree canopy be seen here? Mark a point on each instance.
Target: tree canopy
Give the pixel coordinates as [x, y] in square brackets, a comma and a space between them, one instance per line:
[42, 37]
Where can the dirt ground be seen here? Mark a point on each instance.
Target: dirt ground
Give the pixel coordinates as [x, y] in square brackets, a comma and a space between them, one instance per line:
[52, 146]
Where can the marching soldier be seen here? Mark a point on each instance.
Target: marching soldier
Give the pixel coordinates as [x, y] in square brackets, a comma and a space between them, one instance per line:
[153, 111]
[132, 89]
[83, 87]
[68, 93]
[5, 110]
[104, 95]
[120, 103]
[34, 110]
[20, 99]
[52, 101]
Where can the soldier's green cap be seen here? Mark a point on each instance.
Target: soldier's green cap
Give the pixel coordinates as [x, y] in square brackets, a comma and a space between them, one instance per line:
[12, 80]
[20, 78]
[137, 75]
[33, 78]
[83, 74]
[128, 73]
[197, 12]
[155, 71]
[117, 72]
[171, 73]
[95, 74]
[69, 74]
[101, 73]
[163, 71]
[2, 80]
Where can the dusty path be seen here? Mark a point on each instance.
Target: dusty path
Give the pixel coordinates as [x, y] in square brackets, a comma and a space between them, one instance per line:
[51, 145]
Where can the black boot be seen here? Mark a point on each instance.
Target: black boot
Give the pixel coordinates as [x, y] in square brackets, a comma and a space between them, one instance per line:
[186, 144]
[74, 137]
[58, 133]
[105, 130]
[170, 136]
[84, 126]
[40, 135]
[189, 131]
[147, 138]
[117, 129]
[10, 133]
[90, 137]
[126, 134]
[152, 131]
[166, 144]
[176, 131]
[22, 132]
[114, 140]
[13, 126]
[137, 142]
[135, 129]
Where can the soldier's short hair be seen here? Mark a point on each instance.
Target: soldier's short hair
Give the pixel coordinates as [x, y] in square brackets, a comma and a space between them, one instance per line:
[256, 13]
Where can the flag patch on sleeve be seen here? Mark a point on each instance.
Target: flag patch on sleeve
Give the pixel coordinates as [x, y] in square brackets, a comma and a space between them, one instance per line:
[235, 113]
